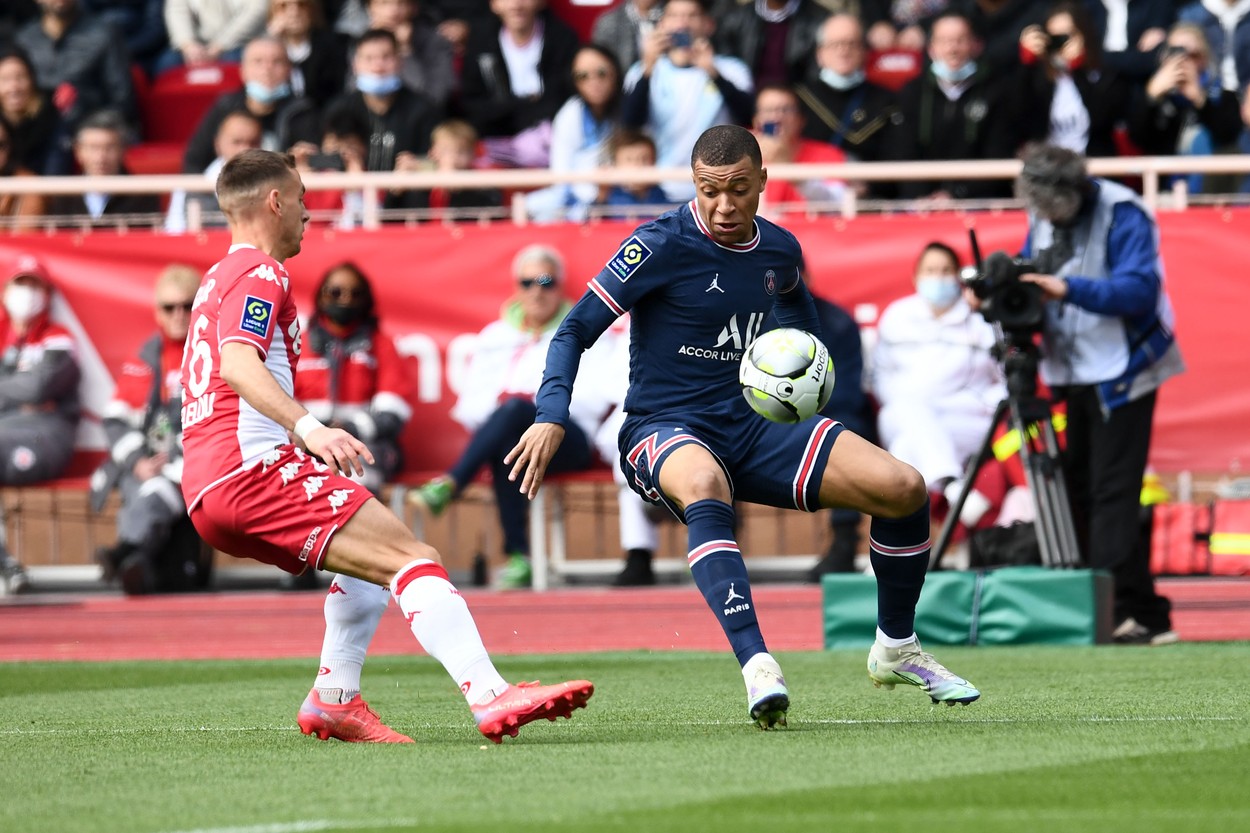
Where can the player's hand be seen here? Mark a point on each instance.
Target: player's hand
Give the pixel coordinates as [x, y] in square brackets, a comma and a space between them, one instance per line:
[1053, 289]
[339, 450]
[532, 454]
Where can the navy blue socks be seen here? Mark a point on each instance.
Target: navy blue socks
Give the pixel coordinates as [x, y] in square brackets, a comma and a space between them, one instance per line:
[721, 576]
[899, 549]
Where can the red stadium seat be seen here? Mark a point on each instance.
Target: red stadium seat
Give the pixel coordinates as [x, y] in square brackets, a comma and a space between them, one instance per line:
[892, 68]
[179, 97]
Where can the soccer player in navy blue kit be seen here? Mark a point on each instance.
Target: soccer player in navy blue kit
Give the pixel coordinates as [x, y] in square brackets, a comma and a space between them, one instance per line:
[698, 283]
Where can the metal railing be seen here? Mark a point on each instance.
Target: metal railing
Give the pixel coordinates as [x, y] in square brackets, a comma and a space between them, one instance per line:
[1152, 171]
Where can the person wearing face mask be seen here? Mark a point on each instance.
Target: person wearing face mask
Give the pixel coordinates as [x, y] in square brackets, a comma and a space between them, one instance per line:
[932, 373]
[157, 549]
[286, 119]
[839, 105]
[399, 120]
[1063, 93]
[351, 375]
[39, 406]
[955, 109]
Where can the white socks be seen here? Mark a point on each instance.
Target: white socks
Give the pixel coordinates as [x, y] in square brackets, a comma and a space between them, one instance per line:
[891, 642]
[353, 608]
[441, 622]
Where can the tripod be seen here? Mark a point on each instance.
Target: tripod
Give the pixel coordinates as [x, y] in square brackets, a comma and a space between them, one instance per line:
[1030, 417]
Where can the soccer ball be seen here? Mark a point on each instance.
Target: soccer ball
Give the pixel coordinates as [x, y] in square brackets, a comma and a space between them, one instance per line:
[786, 375]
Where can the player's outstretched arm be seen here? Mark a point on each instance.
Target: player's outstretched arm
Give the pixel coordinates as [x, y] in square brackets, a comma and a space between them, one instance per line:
[243, 370]
[532, 454]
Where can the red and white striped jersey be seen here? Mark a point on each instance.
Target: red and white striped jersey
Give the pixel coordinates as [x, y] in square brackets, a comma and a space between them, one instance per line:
[246, 298]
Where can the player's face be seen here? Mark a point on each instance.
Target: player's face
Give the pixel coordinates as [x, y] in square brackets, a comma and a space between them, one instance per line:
[728, 197]
[293, 216]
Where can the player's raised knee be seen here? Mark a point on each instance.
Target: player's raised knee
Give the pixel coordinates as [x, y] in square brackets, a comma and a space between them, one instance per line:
[905, 490]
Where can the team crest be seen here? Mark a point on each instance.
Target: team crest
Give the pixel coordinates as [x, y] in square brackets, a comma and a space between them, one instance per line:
[632, 254]
[257, 314]
[770, 282]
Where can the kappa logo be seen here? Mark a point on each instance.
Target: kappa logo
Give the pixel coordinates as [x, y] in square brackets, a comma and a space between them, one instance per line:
[715, 285]
[257, 315]
[265, 272]
[632, 254]
[335, 587]
[309, 544]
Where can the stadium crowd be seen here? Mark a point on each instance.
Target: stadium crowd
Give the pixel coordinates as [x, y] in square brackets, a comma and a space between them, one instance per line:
[365, 85]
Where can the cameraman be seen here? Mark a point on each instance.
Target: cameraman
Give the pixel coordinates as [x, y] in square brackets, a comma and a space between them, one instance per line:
[1108, 346]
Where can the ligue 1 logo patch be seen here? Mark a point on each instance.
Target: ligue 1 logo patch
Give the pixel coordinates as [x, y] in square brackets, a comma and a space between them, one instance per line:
[632, 254]
[257, 313]
[770, 282]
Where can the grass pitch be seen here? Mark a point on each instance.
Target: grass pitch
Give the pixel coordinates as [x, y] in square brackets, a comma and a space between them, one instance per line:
[1065, 739]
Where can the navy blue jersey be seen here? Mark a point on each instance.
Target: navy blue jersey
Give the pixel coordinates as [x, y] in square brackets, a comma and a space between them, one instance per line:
[694, 304]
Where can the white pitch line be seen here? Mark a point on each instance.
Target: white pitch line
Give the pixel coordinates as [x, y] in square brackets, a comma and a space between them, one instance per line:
[832, 721]
[311, 826]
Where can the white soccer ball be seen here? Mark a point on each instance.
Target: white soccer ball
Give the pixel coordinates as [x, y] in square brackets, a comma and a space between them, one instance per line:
[786, 375]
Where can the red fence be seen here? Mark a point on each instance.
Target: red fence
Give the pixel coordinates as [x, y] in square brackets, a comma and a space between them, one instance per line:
[438, 285]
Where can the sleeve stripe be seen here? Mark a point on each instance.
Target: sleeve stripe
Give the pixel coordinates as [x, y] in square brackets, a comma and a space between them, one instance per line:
[264, 351]
[607, 299]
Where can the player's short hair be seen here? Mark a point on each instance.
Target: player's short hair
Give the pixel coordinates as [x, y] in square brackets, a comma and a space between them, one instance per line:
[1053, 181]
[726, 144]
[246, 177]
[539, 252]
[181, 278]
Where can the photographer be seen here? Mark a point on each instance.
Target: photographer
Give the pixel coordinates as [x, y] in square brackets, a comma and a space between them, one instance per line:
[1108, 346]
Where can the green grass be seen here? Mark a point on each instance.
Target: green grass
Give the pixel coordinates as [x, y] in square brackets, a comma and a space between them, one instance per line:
[1065, 739]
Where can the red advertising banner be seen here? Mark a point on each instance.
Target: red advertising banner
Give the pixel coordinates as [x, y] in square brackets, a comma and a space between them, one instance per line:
[438, 285]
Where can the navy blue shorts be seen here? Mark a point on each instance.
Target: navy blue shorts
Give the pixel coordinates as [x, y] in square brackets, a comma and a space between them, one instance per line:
[765, 462]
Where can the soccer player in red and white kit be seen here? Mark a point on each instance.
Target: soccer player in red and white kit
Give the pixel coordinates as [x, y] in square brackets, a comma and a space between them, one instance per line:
[251, 492]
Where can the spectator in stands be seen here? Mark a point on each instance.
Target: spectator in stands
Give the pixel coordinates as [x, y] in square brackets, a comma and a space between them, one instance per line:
[317, 55]
[17, 211]
[266, 94]
[498, 405]
[1183, 110]
[624, 29]
[453, 147]
[36, 130]
[38, 391]
[99, 149]
[1065, 96]
[776, 39]
[956, 109]
[351, 375]
[1130, 37]
[81, 60]
[141, 22]
[517, 73]
[239, 131]
[997, 25]
[157, 549]
[633, 149]
[778, 127]
[344, 147]
[1226, 24]
[935, 381]
[210, 32]
[400, 121]
[579, 135]
[840, 106]
[681, 87]
[425, 56]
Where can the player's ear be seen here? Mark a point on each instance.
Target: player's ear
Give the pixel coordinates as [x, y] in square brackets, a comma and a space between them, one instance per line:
[763, 178]
[274, 201]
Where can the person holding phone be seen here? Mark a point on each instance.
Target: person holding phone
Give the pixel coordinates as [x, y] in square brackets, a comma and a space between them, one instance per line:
[1064, 95]
[1183, 109]
[778, 128]
[681, 87]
